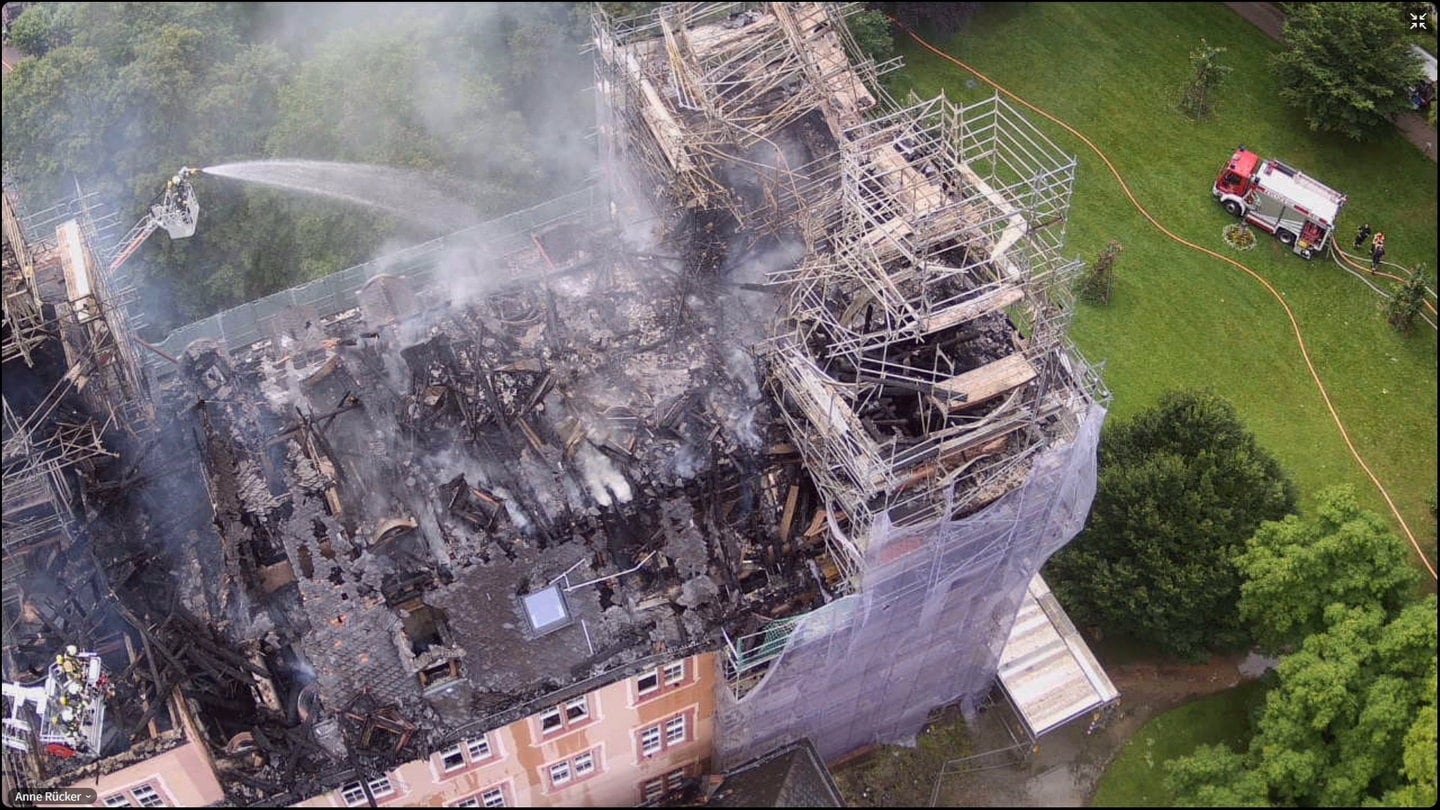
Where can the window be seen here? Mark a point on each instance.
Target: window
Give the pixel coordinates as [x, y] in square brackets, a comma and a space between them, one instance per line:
[452, 758]
[147, 796]
[478, 748]
[566, 771]
[353, 794]
[568, 715]
[490, 797]
[650, 741]
[118, 800]
[675, 730]
[584, 765]
[463, 756]
[661, 680]
[380, 787]
[652, 789]
[675, 779]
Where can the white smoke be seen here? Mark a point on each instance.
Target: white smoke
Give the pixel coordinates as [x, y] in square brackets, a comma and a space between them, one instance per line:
[606, 484]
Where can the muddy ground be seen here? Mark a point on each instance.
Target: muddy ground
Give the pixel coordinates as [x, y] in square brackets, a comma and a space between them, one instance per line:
[1061, 771]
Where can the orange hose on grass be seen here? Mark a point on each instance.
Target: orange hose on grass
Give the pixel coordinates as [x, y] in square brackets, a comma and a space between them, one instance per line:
[1355, 263]
[1294, 324]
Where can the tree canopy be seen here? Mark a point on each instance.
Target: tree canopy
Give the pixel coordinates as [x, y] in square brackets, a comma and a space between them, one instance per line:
[120, 95]
[1347, 66]
[1351, 719]
[1296, 568]
[1181, 487]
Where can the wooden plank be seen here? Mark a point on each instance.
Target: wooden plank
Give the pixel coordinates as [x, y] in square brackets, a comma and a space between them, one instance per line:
[789, 516]
[964, 311]
[988, 381]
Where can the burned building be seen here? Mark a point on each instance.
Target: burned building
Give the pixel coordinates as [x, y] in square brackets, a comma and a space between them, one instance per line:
[92, 691]
[765, 438]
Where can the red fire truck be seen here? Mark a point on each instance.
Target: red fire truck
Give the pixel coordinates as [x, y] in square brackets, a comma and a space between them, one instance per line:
[1299, 210]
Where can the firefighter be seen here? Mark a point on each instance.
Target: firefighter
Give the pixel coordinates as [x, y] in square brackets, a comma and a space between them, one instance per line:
[1377, 254]
[1361, 235]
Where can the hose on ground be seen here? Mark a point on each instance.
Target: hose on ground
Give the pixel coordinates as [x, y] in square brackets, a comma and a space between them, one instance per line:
[1289, 314]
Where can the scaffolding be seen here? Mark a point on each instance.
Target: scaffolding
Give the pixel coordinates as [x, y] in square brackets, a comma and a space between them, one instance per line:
[949, 225]
[718, 103]
[920, 358]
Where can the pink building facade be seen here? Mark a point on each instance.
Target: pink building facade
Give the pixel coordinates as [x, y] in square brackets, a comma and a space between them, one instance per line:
[614, 747]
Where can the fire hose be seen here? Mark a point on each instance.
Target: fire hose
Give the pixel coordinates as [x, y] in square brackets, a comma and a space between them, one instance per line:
[1294, 323]
[1352, 266]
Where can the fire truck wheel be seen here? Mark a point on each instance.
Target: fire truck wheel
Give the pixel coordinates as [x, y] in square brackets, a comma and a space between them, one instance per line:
[1285, 236]
[1234, 207]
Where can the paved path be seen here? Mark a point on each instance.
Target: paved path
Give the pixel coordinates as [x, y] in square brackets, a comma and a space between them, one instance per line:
[1270, 19]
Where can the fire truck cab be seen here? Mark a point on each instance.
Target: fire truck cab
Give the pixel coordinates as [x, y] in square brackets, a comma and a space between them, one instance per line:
[1299, 210]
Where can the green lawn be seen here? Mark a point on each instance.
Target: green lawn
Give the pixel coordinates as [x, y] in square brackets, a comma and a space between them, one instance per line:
[1179, 318]
[1136, 777]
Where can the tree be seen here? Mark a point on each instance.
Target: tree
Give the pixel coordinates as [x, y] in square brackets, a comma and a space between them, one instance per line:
[1095, 285]
[1214, 776]
[1403, 306]
[944, 19]
[1206, 75]
[1351, 720]
[871, 30]
[41, 28]
[1347, 66]
[1419, 762]
[422, 102]
[1181, 487]
[1297, 568]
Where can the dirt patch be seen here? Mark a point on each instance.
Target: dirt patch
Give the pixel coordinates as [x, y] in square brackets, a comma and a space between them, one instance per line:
[1061, 771]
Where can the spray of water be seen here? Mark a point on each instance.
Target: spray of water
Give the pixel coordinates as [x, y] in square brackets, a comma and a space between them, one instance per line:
[409, 196]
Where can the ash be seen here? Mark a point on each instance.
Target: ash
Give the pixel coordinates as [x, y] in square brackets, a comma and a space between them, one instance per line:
[393, 482]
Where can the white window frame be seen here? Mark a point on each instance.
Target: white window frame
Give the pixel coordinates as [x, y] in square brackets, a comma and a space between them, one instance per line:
[481, 745]
[381, 787]
[652, 788]
[674, 779]
[651, 741]
[152, 798]
[456, 750]
[583, 764]
[559, 773]
[674, 672]
[351, 801]
[559, 717]
[123, 800]
[641, 690]
[674, 724]
[468, 801]
[496, 793]
[581, 707]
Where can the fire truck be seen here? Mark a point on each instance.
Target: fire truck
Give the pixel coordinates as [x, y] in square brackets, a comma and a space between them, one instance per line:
[1299, 210]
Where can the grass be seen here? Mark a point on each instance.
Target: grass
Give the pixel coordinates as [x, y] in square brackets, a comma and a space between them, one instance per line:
[1178, 318]
[1136, 777]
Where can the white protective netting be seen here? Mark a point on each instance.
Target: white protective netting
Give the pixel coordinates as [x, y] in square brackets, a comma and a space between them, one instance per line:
[926, 626]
